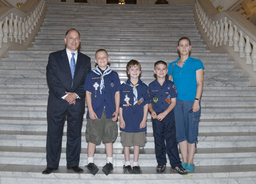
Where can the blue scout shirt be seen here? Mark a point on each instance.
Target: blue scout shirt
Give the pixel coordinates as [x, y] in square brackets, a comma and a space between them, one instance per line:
[133, 114]
[185, 77]
[107, 98]
[160, 96]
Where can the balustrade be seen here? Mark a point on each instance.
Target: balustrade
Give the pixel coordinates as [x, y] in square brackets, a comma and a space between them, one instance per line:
[16, 28]
[223, 30]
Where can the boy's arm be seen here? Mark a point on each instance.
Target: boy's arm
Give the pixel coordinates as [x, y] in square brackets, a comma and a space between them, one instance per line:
[92, 114]
[145, 115]
[162, 115]
[121, 119]
[117, 103]
[151, 110]
[170, 78]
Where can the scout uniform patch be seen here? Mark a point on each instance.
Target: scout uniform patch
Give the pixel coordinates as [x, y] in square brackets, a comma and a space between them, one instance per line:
[155, 99]
[127, 99]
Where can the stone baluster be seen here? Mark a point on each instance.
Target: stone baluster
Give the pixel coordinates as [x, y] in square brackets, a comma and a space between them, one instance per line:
[20, 30]
[217, 33]
[214, 33]
[32, 22]
[206, 24]
[236, 38]
[15, 28]
[253, 55]
[29, 25]
[1, 33]
[230, 34]
[225, 31]
[248, 50]
[23, 29]
[34, 14]
[208, 27]
[241, 44]
[203, 21]
[5, 39]
[26, 28]
[11, 27]
[211, 31]
[221, 32]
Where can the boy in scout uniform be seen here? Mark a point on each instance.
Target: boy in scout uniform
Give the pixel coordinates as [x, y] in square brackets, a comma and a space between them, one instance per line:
[163, 95]
[102, 88]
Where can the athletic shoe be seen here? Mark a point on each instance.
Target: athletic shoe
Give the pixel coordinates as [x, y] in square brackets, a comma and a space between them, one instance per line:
[137, 170]
[108, 168]
[127, 169]
[179, 169]
[160, 168]
[92, 168]
[190, 167]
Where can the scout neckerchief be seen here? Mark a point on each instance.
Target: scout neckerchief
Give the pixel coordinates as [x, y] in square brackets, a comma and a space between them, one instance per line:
[99, 72]
[134, 90]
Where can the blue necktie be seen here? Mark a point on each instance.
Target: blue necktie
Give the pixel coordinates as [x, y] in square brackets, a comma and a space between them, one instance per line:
[72, 67]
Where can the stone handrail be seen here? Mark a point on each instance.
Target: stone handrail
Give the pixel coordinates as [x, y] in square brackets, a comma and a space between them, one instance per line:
[231, 32]
[18, 29]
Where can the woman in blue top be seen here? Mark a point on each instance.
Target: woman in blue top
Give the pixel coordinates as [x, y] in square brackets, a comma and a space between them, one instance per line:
[188, 75]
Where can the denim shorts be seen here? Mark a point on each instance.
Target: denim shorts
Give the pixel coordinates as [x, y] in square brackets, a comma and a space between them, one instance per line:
[186, 122]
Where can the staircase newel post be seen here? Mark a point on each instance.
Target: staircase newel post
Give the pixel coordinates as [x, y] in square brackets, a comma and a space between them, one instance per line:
[5, 39]
[253, 56]
[241, 44]
[236, 38]
[11, 27]
[1, 33]
[15, 25]
[248, 50]
[217, 33]
[225, 31]
[230, 34]
[20, 30]
[221, 32]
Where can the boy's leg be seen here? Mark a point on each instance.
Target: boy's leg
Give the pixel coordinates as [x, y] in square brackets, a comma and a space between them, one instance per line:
[160, 148]
[90, 152]
[127, 154]
[171, 142]
[109, 150]
[184, 150]
[136, 154]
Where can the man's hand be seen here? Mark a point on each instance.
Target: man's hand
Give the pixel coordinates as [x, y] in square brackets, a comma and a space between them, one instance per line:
[71, 98]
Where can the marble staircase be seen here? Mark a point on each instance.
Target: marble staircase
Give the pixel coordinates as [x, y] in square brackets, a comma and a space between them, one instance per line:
[227, 133]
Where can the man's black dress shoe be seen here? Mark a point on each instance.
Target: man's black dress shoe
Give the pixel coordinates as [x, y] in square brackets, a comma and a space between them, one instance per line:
[48, 170]
[76, 169]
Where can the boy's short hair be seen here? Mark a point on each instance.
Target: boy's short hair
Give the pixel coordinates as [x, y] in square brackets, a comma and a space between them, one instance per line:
[131, 63]
[157, 63]
[100, 50]
[160, 62]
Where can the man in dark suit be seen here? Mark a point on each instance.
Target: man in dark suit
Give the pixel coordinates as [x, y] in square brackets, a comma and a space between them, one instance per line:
[66, 73]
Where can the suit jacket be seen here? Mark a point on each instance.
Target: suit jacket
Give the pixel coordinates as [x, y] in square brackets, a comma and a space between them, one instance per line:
[59, 80]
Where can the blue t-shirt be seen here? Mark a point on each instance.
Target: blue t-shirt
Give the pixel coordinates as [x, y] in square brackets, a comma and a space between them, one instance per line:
[133, 114]
[185, 77]
[107, 97]
[161, 96]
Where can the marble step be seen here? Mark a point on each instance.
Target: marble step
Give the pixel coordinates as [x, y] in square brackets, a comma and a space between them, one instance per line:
[205, 126]
[238, 174]
[168, 56]
[206, 140]
[203, 157]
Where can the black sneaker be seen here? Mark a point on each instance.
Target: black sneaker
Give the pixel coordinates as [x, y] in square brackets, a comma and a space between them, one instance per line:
[160, 168]
[92, 168]
[108, 168]
[137, 170]
[127, 169]
[179, 169]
